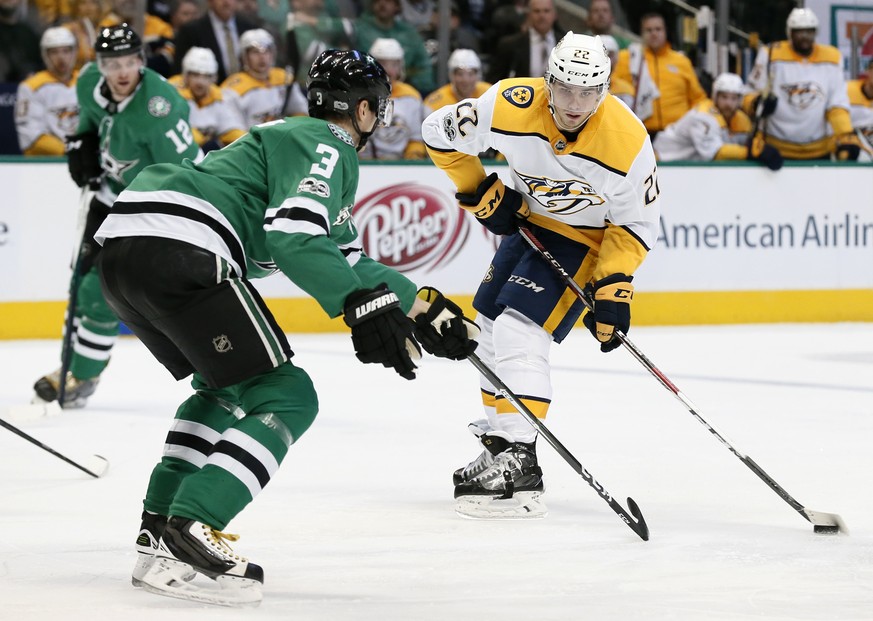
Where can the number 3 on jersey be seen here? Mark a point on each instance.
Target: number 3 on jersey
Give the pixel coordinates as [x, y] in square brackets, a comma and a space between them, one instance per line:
[328, 162]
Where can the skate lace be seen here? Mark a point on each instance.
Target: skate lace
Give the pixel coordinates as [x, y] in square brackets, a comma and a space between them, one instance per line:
[218, 539]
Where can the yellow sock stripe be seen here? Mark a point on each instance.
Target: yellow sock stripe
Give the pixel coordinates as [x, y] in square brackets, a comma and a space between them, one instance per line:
[538, 406]
[488, 399]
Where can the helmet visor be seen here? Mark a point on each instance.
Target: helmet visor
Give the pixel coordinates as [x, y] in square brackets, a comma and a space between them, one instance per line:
[385, 112]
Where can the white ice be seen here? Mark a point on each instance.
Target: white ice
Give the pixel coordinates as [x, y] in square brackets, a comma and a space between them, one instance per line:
[359, 521]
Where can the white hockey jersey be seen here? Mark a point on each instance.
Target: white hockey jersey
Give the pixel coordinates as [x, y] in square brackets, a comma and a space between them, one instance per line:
[46, 111]
[811, 91]
[401, 139]
[598, 186]
[861, 109]
[215, 117]
[701, 133]
[260, 101]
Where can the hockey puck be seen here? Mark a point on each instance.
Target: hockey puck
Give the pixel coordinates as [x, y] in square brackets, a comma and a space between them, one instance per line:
[826, 530]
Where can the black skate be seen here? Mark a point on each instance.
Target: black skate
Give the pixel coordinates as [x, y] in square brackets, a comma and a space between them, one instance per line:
[510, 487]
[494, 444]
[75, 395]
[187, 546]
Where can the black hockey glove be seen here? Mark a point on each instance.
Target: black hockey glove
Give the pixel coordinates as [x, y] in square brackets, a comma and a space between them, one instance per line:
[765, 108]
[381, 333]
[767, 154]
[611, 297]
[496, 206]
[443, 330]
[83, 159]
[847, 147]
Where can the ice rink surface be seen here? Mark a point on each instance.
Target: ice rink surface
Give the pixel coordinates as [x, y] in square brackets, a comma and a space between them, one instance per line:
[359, 522]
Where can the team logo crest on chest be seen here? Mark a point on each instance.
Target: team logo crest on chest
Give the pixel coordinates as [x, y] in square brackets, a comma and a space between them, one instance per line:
[159, 106]
[563, 197]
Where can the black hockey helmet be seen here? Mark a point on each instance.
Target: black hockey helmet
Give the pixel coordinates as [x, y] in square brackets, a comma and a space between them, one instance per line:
[120, 40]
[339, 79]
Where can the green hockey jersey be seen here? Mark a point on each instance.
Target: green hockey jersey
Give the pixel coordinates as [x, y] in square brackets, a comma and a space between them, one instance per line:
[148, 127]
[280, 197]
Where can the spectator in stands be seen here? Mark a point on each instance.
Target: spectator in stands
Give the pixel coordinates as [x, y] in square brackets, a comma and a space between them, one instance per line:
[460, 35]
[506, 19]
[601, 21]
[19, 44]
[382, 21]
[860, 93]
[716, 130]
[619, 87]
[311, 30]
[526, 54]
[465, 81]
[184, 11]
[664, 80]
[220, 31]
[418, 13]
[86, 17]
[804, 107]
[401, 138]
[263, 92]
[46, 108]
[215, 119]
[248, 10]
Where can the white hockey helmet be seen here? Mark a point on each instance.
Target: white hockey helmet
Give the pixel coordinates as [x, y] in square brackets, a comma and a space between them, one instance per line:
[577, 79]
[257, 38]
[800, 19]
[580, 60]
[464, 59]
[200, 60]
[386, 49]
[728, 83]
[57, 37]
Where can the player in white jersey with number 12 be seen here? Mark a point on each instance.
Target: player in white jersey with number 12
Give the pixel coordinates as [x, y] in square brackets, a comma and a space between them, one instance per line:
[584, 176]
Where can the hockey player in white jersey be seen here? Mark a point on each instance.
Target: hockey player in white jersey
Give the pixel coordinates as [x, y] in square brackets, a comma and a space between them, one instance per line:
[265, 92]
[584, 178]
[401, 140]
[860, 93]
[716, 129]
[804, 110]
[215, 119]
[46, 108]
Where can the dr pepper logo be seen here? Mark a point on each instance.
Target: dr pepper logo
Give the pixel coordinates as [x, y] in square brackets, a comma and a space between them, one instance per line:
[410, 226]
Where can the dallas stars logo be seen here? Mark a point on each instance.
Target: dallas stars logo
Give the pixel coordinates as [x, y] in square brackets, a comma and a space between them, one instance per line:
[115, 168]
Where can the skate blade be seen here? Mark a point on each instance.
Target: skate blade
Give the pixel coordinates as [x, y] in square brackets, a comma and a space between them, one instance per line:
[522, 506]
[168, 577]
[144, 562]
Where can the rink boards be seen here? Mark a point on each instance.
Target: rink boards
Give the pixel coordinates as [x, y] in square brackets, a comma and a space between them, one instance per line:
[738, 244]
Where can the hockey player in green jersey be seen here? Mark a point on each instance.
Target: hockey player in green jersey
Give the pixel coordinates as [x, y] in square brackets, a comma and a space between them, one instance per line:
[179, 249]
[129, 118]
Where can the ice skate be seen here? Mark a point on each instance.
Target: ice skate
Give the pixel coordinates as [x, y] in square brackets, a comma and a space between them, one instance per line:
[188, 546]
[76, 393]
[494, 443]
[511, 487]
[148, 542]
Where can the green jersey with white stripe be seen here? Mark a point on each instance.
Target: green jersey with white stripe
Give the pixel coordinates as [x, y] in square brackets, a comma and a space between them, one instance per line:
[147, 127]
[280, 197]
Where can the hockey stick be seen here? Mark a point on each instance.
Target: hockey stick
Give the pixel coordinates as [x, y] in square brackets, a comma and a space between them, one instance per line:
[72, 300]
[822, 522]
[633, 518]
[97, 470]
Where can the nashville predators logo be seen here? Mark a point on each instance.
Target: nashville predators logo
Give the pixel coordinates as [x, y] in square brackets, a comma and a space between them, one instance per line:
[562, 197]
[520, 96]
[803, 94]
